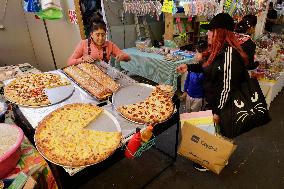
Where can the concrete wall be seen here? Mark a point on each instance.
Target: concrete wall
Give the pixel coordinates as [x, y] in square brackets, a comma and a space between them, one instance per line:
[64, 36]
[15, 42]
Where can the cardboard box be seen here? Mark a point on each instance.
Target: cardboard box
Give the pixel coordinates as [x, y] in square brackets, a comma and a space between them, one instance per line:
[209, 150]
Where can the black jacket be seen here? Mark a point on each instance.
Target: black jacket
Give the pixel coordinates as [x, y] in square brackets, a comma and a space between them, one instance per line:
[220, 78]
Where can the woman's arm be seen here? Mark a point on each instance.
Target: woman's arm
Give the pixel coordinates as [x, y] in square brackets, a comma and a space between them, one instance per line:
[119, 54]
[77, 56]
[195, 67]
[249, 48]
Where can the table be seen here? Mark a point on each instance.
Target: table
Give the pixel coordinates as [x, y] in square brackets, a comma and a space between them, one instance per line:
[27, 119]
[32, 163]
[9, 72]
[153, 66]
[271, 89]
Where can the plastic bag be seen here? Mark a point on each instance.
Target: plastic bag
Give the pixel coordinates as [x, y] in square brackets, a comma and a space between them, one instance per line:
[50, 14]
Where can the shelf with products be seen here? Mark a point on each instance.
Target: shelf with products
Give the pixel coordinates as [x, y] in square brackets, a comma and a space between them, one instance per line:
[179, 25]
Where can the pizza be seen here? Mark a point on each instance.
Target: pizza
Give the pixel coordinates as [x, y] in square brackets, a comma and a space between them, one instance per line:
[157, 108]
[62, 136]
[29, 89]
[99, 76]
[88, 83]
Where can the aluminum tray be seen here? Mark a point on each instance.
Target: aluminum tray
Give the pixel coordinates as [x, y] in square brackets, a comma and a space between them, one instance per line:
[132, 94]
[73, 80]
[104, 122]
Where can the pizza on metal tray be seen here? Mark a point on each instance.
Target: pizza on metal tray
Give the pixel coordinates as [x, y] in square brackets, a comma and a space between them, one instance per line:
[62, 138]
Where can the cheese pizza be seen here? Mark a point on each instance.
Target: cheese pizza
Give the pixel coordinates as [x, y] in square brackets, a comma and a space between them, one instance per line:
[62, 137]
[29, 89]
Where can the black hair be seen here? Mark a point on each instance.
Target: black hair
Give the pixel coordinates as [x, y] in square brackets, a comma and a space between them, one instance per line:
[97, 22]
[271, 4]
[201, 46]
[247, 22]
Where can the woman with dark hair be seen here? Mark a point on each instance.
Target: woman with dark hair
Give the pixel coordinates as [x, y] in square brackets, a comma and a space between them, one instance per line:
[96, 48]
[224, 69]
[244, 29]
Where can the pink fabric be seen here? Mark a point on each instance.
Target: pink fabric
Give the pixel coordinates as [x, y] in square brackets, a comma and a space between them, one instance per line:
[82, 50]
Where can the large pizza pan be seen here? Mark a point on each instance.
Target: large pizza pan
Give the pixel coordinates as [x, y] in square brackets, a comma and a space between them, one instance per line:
[131, 94]
[55, 96]
[104, 122]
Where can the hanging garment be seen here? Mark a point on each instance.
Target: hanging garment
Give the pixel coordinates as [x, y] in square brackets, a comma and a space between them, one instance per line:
[51, 10]
[50, 4]
[50, 14]
[32, 5]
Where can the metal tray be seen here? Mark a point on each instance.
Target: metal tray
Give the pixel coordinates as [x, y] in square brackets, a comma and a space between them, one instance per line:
[104, 122]
[132, 94]
[73, 80]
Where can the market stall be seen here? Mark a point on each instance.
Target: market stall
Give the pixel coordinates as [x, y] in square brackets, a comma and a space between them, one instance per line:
[269, 53]
[112, 119]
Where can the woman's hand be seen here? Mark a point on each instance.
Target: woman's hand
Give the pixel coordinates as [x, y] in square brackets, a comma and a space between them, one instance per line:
[120, 57]
[88, 59]
[198, 57]
[216, 119]
[181, 68]
[183, 96]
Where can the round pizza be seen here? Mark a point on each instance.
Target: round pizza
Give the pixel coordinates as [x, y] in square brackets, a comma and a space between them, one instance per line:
[62, 137]
[157, 108]
[28, 90]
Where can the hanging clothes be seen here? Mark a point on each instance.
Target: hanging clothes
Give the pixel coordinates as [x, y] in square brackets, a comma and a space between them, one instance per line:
[51, 10]
[32, 5]
[50, 4]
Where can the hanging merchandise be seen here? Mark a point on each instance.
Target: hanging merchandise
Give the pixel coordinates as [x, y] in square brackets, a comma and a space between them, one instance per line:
[51, 10]
[72, 16]
[175, 10]
[207, 8]
[48, 4]
[50, 14]
[168, 6]
[142, 7]
[239, 8]
[32, 5]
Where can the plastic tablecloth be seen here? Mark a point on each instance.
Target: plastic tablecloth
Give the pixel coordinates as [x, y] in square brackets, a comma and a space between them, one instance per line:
[153, 66]
[33, 164]
[271, 89]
